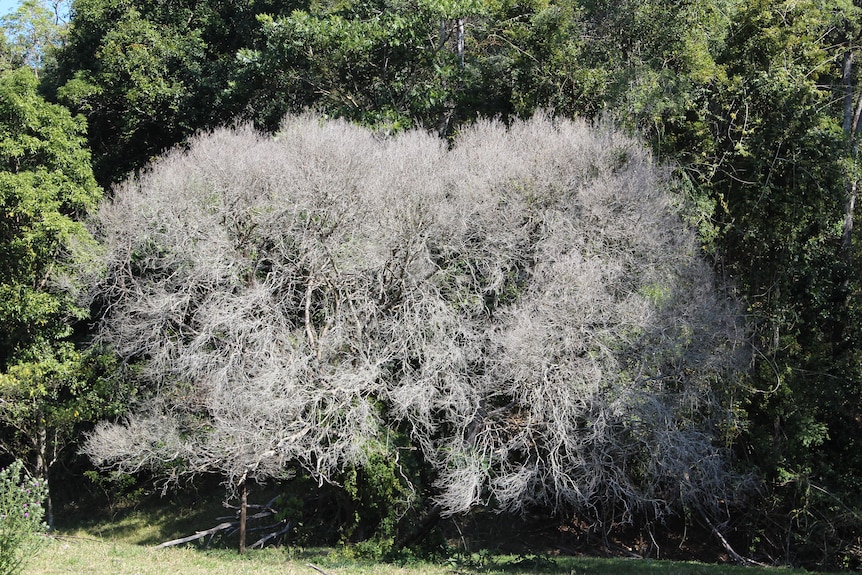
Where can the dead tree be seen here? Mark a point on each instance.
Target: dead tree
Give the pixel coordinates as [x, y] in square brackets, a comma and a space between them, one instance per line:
[527, 305]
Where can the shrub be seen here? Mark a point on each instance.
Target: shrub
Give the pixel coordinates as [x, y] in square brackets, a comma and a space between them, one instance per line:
[21, 515]
[526, 308]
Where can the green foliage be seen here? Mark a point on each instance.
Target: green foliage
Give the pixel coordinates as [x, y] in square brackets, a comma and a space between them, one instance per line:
[149, 74]
[47, 385]
[384, 64]
[21, 516]
[767, 165]
[814, 524]
[525, 56]
[46, 187]
[131, 75]
[778, 176]
[364, 509]
[381, 494]
[32, 32]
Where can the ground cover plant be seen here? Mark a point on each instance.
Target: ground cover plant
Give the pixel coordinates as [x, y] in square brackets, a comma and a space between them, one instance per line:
[21, 517]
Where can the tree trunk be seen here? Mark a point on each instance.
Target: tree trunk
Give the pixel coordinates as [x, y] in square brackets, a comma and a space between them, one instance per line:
[461, 40]
[424, 527]
[847, 231]
[243, 513]
[850, 125]
[41, 467]
[848, 92]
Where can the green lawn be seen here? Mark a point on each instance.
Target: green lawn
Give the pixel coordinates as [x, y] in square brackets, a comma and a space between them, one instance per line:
[80, 554]
[124, 544]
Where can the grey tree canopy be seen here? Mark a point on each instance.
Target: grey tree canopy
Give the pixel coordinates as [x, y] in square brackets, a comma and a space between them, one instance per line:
[527, 307]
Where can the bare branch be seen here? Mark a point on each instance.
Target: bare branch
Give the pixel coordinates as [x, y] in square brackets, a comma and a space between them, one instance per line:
[528, 305]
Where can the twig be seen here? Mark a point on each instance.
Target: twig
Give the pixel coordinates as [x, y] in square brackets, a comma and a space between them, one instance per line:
[316, 568]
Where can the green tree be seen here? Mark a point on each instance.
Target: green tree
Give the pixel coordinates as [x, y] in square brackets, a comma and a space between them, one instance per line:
[46, 187]
[148, 74]
[779, 174]
[131, 77]
[774, 165]
[391, 65]
[33, 32]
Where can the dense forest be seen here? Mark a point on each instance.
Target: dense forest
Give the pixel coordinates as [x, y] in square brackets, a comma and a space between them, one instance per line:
[580, 258]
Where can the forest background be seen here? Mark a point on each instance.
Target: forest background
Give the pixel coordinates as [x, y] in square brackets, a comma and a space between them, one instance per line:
[755, 104]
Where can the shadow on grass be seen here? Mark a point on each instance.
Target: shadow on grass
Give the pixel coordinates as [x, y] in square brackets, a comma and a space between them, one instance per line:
[482, 544]
[151, 519]
[491, 564]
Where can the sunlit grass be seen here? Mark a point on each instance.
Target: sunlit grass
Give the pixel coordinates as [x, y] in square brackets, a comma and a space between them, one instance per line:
[99, 556]
[103, 557]
[125, 544]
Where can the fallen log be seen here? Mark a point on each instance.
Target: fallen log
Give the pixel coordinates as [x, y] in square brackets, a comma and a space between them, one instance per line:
[198, 535]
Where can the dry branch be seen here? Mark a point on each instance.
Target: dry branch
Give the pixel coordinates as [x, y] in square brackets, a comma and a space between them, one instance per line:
[229, 528]
[727, 547]
[198, 535]
[285, 529]
[527, 305]
[316, 568]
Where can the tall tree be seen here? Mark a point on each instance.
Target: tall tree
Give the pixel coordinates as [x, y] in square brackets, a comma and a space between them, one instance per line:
[781, 172]
[131, 76]
[778, 166]
[46, 187]
[33, 32]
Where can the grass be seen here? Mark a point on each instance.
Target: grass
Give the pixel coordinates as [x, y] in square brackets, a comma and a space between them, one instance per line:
[100, 556]
[94, 556]
[125, 545]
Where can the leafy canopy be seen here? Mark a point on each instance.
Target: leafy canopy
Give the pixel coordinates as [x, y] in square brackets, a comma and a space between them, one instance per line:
[46, 188]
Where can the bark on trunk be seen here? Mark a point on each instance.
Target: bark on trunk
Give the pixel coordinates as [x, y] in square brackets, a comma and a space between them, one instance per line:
[850, 125]
[461, 40]
[426, 524]
[41, 467]
[243, 513]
